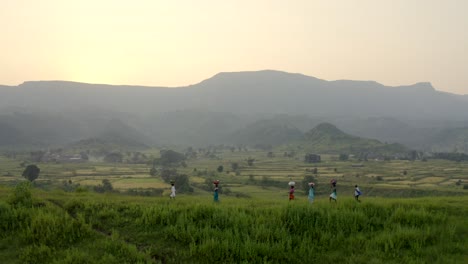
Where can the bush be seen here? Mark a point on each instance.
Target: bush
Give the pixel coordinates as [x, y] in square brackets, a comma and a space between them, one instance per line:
[22, 196]
[106, 186]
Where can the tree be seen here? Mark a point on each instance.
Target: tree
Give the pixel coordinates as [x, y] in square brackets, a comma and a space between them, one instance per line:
[250, 161]
[84, 155]
[153, 172]
[114, 157]
[168, 174]
[182, 183]
[169, 157]
[106, 186]
[220, 168]
[235, 166]
[312, 158]
[343, 157]
[31, 172]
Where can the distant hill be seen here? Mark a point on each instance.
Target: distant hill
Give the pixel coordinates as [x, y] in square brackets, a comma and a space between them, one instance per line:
[116, 135]
[35, 130]
[327, 138]
[247, 93]
[450, 140]
[218, 110]
[118, 132]
[266, 132]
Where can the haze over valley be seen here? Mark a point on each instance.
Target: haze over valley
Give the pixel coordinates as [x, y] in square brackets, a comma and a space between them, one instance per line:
[246, 108]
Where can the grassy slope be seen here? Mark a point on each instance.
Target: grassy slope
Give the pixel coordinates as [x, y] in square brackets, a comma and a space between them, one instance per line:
[92, 228]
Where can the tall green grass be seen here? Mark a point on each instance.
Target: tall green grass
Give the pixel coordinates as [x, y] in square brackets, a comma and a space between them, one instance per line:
[92, 228]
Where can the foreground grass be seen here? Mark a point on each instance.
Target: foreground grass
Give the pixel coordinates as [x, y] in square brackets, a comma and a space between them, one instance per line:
[58, 227]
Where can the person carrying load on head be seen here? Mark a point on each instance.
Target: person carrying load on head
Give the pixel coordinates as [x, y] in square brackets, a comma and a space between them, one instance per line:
[216, 190]
[291, 190]
[311, 192]
[333, 195]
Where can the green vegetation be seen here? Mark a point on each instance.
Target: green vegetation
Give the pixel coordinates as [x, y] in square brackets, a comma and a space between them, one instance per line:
[60, 227]
[326, 138]
[62, 217]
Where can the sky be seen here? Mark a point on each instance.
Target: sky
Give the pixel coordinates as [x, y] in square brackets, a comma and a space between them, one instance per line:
[182, 42]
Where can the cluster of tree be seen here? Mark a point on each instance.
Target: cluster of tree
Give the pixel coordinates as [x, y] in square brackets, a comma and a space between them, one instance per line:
[191, 153]
[69, 186]
[127, 157]
[105, 186]
[170, 158]
[114, 157]
[136, 158]
[264, 147]
[312, 158]
[235, 166]
[450, 156]
[181, 181]
[343, 157]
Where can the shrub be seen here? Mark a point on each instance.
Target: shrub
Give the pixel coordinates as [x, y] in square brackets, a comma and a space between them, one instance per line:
[22, 195]
[106, 186]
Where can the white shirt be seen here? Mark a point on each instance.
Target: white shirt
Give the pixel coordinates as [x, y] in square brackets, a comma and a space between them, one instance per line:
[356, 191]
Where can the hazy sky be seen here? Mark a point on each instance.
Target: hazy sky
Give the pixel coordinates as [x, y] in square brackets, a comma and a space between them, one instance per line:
[176, 43]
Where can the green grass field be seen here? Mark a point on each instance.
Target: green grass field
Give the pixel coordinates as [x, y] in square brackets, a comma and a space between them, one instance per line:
[84, 227]
[413, 217]
[434, 177]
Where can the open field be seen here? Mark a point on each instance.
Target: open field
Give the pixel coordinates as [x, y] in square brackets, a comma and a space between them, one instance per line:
[253, 223]
[267, 175]
[84, 227]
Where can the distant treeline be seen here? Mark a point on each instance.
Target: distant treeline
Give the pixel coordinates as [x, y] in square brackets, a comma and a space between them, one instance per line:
[450, 156]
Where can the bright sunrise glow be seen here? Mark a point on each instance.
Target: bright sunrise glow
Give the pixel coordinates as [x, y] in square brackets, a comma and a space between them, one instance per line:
[175, 43]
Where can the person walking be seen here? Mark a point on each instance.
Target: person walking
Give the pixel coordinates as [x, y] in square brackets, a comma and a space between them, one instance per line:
[311, 192]
[333, 195]
[291, 190]
[357, 193]
[172, 196]
[216, 191]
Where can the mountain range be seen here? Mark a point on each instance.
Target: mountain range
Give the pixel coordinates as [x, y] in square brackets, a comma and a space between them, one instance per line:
[262, 107]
